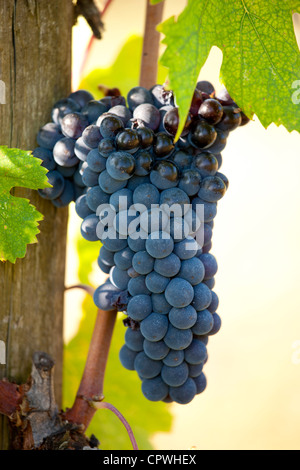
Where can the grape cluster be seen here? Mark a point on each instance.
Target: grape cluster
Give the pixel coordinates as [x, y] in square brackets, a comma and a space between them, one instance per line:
[161, 271]
[65, 143]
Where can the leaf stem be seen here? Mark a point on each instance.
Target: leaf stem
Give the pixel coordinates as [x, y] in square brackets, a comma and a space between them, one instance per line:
[149, 65]
[101, 405]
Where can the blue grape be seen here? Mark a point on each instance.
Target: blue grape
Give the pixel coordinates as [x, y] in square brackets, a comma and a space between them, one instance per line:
[106, 296]
[192, 270]
[63, 107]
[81, 97]
[89, 177]
[146, 194]
[66, 196]
[217, 324]
[67, 172]
[120, 165]
[91, 136]
[210, 208]
[185, 393]
[156, 283]
[127, 357]
[136, 181]
[160, 304]
[204, 323]
[128, 140]
[179, 293]
[96, 197]
[176, 338]
[58, 184]
[96, 162]
[110, 125]
[137, 96]
[159, 244]
[174, 358]
[164, 175]
[119, 278]
[134, 339]
[183, 318]
[139, 307]
[206, 164]
[182, 160]
[149, 114]
[214, 302]
[175, 376]
[137, 286]
[146, 367]
[168, 266]
[73, 124]
[190, 181]
[104, 267]
[186, 249]
[81, 207]
[196, 352]
[93, 109]
[142, 262]
[122, 112]
[88, 228]
[155, 350]
[107, 257]
[155, 389]
[106, 147]
[210, 282]
[115, 244]
[118, 201]
[81, 149]
[123, 258]
[108, 184]
[201, 383]
[175, 196]
[46, 156]
[212, 189]
[137, 244]
[154, 327]
[143, 163]
[202, 297]
[195, 369]
[210, 265]
[48, 135]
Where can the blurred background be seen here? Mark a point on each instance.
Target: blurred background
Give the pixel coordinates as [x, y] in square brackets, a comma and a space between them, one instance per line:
[252, 400]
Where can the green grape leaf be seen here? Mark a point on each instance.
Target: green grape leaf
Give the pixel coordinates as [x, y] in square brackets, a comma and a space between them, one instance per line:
[155, 2]
[18, 218]
[261, 59]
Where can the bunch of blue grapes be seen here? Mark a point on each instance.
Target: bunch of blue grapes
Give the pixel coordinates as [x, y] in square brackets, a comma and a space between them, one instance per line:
[63, 144]
[161, 272]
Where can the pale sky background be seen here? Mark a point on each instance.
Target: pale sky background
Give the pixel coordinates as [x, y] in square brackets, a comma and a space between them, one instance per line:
[253, 396]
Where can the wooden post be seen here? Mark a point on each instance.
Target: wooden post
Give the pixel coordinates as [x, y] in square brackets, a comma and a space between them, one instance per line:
[35, 67]
[148, 75]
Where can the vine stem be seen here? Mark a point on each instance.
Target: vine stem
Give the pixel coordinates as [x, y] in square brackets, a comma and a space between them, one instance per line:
[92, 39]
[149, 65]
[105, 405]
[91, 385]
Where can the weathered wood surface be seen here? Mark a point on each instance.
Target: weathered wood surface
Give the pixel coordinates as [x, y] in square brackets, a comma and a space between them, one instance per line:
[35, 66]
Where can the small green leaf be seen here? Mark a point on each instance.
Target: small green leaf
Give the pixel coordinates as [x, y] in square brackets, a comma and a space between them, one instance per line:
[155, 2]
[18, 218]
[261, 59]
